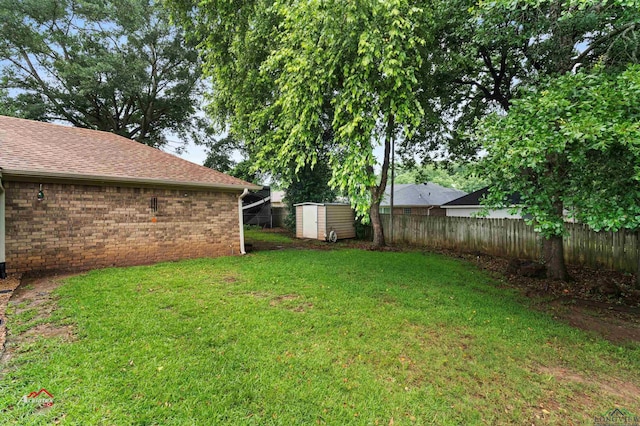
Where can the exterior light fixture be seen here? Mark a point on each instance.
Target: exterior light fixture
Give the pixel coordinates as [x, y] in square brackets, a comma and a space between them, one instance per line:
[40, 194]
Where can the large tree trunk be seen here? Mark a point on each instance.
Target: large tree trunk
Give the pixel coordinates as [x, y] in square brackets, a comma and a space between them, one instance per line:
[552, 246]
[377, 192]
[376, 223]
[554, 258]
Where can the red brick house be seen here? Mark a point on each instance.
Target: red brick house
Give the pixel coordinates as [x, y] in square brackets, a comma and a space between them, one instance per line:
[73, 199]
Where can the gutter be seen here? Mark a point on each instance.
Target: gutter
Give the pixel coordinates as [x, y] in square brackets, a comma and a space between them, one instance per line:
[257, 203]
[3, 265]
[240, 221]
[10, 173]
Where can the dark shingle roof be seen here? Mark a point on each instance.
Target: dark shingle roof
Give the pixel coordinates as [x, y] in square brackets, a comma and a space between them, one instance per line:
[428, 194]
[474, 198]
[33, 148]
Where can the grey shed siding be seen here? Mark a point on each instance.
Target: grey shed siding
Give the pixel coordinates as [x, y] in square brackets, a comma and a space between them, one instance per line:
[331, 217]
[322, 231]
[340, 219]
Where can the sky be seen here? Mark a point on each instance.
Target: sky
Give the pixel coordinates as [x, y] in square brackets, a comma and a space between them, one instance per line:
[197, 154]
[194, 153]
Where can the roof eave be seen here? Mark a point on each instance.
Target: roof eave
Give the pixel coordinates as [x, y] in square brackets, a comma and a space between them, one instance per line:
[31, 174]
[410, 205]
[311, 203]
[477, 206]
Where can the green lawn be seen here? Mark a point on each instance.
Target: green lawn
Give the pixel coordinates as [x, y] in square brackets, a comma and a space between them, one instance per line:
[313, 337]
[253, 234]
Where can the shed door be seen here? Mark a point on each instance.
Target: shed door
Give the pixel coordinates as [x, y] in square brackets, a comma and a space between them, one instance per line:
[310, 222]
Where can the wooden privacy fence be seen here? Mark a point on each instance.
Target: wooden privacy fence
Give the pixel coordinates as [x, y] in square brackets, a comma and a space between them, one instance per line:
[514, 238]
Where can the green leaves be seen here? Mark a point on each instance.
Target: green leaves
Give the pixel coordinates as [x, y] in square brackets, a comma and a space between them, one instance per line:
[364, 64]
[308, 81]
[573, 143]
[116, 66]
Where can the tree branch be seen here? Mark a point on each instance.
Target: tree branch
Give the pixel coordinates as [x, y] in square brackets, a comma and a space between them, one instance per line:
[597, 42]
[487, 92]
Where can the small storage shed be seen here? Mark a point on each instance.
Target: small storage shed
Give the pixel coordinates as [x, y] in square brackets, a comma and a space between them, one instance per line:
[325, 221]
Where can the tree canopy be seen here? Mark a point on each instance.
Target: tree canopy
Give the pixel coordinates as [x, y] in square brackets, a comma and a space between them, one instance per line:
[483, 53]
[114, 65]
[572, 145]
[447, 175]
[302, 81]
[307, 81]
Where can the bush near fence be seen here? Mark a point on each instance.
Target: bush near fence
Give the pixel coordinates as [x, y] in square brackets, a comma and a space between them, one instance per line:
[514, 238]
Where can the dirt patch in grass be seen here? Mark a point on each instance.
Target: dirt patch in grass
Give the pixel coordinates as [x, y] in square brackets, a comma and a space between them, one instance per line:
[7, 287]
[303, 307]
[33, 294]
[617, 326]
[291, 302]
[283, 298]
[624, 390]
[600, 301]
[49, 330]
[34, 289]
[583, 302]
[581, 399]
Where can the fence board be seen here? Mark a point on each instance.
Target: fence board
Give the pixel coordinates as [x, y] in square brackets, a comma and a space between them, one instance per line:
[514, 238]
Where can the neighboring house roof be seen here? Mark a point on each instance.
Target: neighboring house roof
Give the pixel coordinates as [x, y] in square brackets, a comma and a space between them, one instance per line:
[475, 198]
[416, 195]
[36, 149]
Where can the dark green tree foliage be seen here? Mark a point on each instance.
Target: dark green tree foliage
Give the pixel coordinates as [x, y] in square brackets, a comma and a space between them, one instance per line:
[449, 175]
[572, 145]
[116, 65]
[286, 73]
[484, 52]
[6, 105]
[220, 152]
[490, 53]
[234, 39]
[308, 185]
[244, 170]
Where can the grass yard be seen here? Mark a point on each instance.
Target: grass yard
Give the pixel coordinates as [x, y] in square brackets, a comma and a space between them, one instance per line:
[288, 337]
[253, 234]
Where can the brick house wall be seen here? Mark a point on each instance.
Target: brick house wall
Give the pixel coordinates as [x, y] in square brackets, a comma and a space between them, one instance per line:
[79, 227]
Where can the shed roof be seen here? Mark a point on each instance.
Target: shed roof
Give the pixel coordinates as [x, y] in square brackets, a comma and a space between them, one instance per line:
[36, 149]
[475, 198]
[427, 194]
